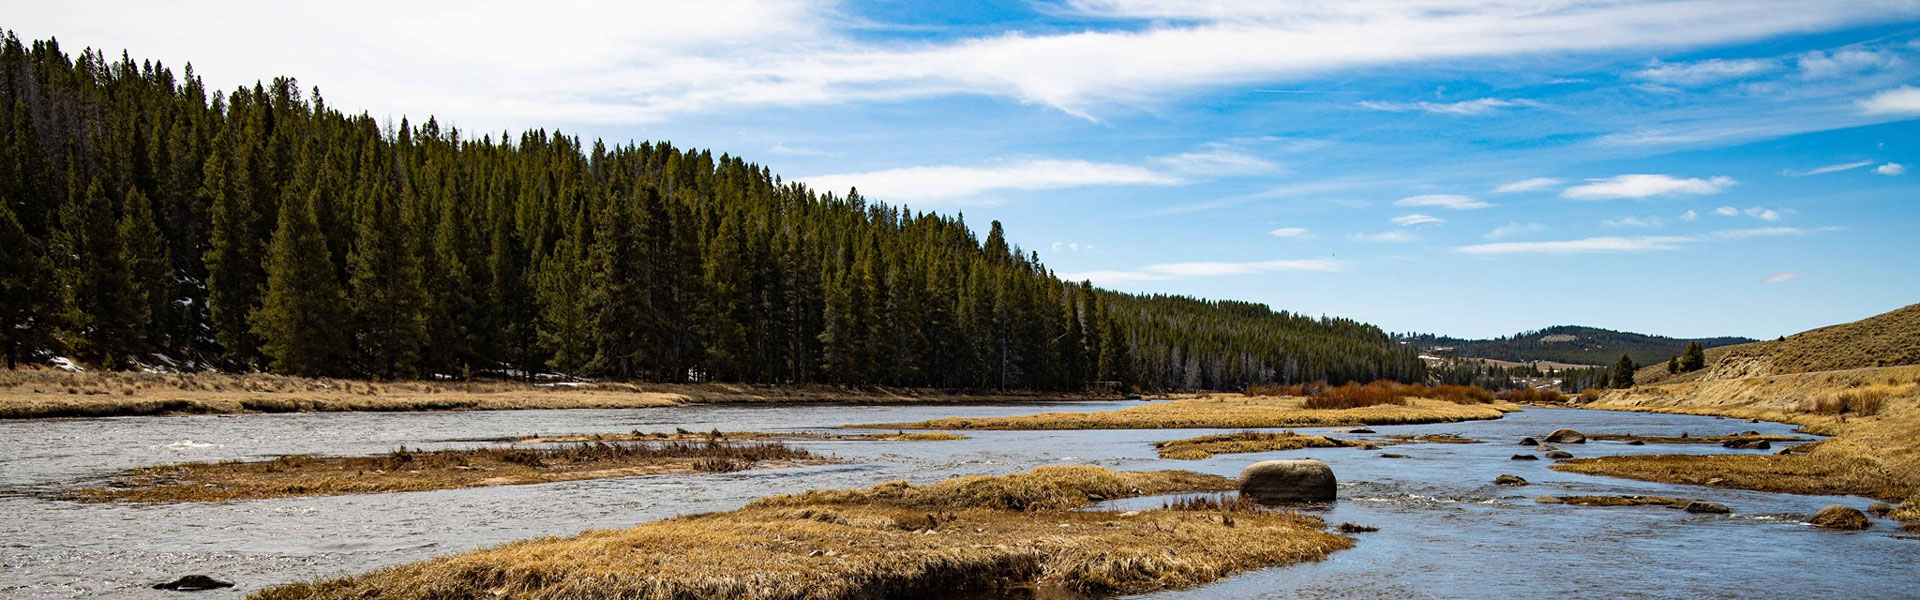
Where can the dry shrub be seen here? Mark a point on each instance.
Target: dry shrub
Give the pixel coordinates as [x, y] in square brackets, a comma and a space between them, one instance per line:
[1589, 395]
[1858, 402]
[1533, 396]
[1353, 395]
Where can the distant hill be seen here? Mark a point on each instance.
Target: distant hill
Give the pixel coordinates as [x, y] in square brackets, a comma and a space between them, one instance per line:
[1566, 344]
[1884, 340]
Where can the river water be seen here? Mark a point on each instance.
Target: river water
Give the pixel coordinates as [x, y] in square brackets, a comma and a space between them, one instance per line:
[1446, 531]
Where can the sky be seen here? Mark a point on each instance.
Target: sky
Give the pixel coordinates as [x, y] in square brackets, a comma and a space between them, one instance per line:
[1465, 167]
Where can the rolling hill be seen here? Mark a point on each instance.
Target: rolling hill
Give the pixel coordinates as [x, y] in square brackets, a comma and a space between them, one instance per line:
[1571, 344]
[1884, 340]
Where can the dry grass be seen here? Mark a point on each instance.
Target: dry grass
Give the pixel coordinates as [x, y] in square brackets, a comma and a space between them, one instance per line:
[716, 435]
[1533, 396]
[1224, 411]
[48, 393]
[1875, 455]
[890, 541]
[406, 470]
[1704, 439]
[1206, 446]
[1615, 501]
[1432, 438]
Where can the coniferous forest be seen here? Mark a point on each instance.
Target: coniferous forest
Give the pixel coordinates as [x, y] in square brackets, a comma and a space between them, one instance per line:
[148, 220]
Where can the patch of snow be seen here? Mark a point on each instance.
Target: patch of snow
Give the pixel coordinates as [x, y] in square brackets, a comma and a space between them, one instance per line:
[66, 364]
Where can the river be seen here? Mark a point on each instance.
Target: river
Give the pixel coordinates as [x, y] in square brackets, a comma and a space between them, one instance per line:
[1445, 530]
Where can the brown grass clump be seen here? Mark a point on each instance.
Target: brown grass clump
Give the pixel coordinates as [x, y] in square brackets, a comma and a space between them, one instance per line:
[1794, 474]
[1589, 395]
[892, 540]
[1533, 396]
[1224, 411]
[1206, 446]
[1860, 402]
[1433, 438]
[1354, 395]
[405, 470]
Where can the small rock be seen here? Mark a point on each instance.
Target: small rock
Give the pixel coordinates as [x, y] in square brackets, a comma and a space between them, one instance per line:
[1749, 433]
[1708, 508]
[1636, 442]
[1746, 444]
[1359, 430]
[1566, 436]
[1840, 516]
[1549, 499]
[1683, 435]
[1365, 446]
[1525, 457]
[193, 583]
[1391, 455]
[1352, 528]
[1559, 454]
[1784, 451]
[1130, 514]
[1506, 479]
[1879, 509]
[1529, 442]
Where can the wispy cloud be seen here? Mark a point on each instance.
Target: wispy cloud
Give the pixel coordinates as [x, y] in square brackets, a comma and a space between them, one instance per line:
[1779, 278]
[1845, 62]
[1070, 246]
[1712, 70]
[1217, 161]
[1764, 214]
[1903, 100]
[1527, 185]
[1465, 108]
[1832, 168]
[1415, 219]
[1182, 270]
[1632, 221]
[1396, 236]
[1291, 232]
[1513, 229]
[1645, 186]
[935, 184]
[1622, 244]
[1890, 169]
[1689, 215]
[1447, 201]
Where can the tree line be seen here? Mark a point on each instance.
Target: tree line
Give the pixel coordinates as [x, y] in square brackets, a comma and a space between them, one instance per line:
[146, 220]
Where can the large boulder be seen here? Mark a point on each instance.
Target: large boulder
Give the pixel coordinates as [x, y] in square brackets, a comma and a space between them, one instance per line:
[1566, 436]
[1509, 479]
[193, 583]
[1525, 457]
[1840, 516]
[1297, 480]
[1529, 442]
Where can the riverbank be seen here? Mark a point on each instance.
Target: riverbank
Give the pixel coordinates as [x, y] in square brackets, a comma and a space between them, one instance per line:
[1225, 411]
[1872, 415]
[46, 393]
[891, 540]
[406, 470]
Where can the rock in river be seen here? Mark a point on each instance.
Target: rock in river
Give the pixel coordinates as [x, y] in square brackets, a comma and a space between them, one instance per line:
[1707, 508]
[1879, 509]
[1559, 454]
[1359, 430]
[1525, 457]
[1566, 436]
[1296, 480]
[1506, 479]
[1840, 516]
[1529, 442]
[193, 583]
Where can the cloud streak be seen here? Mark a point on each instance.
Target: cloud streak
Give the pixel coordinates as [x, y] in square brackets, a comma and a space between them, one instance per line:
[937, 184]
[1465, 108]
[1624, 244]
[1639, 186]
[1182, 270]
[1447, 201]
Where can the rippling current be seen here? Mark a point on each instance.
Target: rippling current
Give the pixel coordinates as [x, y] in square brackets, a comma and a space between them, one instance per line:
[1445, 530]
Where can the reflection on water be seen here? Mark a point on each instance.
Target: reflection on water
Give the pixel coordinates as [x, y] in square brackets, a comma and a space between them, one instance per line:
[1446, 531]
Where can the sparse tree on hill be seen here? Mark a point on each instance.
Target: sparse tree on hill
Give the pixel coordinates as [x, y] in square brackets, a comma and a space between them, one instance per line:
[1623, 372]
[1694, 359]
[1673, 365]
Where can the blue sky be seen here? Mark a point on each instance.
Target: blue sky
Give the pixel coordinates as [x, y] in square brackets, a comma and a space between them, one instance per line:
[1470, 167]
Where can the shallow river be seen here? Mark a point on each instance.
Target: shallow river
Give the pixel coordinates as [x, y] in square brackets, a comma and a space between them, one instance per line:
[1446, 531]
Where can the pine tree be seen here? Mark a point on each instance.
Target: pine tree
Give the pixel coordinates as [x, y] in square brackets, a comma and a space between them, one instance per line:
[1694, 359]
[234, 274]
[1673, 365]
[28, 298]
[1623, 372]
[566, 301]
[302, 319]
[148, 260]
[385, 291]
[1116, 361]
[108, 312]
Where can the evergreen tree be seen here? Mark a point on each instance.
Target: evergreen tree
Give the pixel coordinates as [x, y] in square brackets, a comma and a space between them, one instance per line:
[108, 312]
[28, 298]
[234, 273]
[1694, 359]
[148, 260]
[1116, 361]
[1623, 372]
[1673, 365]
[385, 291]
[301, 322]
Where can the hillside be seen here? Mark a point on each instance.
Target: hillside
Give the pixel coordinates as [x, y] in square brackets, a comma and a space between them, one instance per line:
[1884, 340]
[146, 220]
[1570, 344]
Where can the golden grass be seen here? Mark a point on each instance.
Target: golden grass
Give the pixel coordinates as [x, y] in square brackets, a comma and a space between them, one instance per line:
[893, 540]
[1206, 446]
[1876, 455]
[48, 393]
[406, 470]
[1224, 411]
[1704, 439]
[683, 435]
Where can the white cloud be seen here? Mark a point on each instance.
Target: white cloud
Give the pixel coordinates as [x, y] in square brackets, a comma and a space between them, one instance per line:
[1466, 108]
[1181, 270]
[1512, 229]
[1764, 214]
[1890, 169]
[1632, 221]
[1216, 161]
[1291, 232]
[797, 150]
[935, 184]
[1645, 186]
[1448, 201]
[1727, 211]
[1712, 70]
[1415, 219]
[1779, 277]
[1070, 246]
[1527, 185]
[1689, 215]
[579, 61]
[1619, 244]
[1834, 168]
[1847, 62]
[1903, 100]
[1385, 237]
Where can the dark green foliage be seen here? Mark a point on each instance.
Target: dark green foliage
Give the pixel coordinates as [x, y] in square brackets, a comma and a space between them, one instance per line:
[1694, 359]
[1565, 344]
[265, 224]
[28, 305]
[1623, 372]
[1673, 365]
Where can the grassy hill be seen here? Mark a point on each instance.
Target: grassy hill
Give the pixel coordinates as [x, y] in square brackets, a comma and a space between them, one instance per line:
[1571, 344]
[1884, 340]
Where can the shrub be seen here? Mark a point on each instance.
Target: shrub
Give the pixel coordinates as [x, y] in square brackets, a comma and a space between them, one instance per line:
[1531, 395]
[1863, 403]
